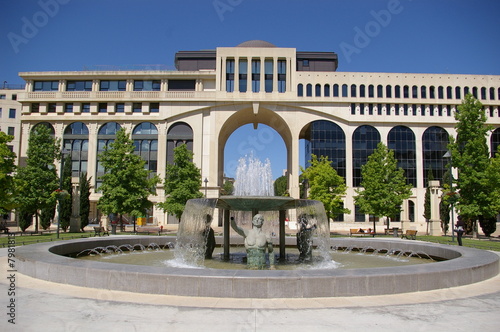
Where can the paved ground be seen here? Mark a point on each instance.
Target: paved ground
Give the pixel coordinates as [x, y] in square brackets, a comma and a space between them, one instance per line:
[46, 306]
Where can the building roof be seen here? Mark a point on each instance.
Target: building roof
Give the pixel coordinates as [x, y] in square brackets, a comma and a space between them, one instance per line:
[256, 43]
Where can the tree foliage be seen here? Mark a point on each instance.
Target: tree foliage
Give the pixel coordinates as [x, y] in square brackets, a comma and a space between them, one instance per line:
[182, 182]
[38, 180]
[67, 200]
[85, 187]
[227, 188]
[470, 156]
[384, 185]
[325, 185]
[126, 184]
[7, 167]
[281, 186]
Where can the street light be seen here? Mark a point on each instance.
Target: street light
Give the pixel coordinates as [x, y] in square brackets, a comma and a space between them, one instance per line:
[64, 153]
[206, 182]
[447, 155]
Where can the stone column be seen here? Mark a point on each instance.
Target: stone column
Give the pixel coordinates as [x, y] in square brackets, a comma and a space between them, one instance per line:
[435, 222]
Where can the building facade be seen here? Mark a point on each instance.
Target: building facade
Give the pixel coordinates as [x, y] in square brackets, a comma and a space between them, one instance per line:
[299, 94]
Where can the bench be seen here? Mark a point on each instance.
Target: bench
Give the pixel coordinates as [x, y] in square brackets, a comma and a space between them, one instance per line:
[361, 232]
[4, 228]
[99, 230]
[410, 234]
[390, 231]
[147, 230]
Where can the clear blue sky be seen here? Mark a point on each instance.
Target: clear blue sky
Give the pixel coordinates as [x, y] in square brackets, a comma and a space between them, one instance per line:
[407, 36]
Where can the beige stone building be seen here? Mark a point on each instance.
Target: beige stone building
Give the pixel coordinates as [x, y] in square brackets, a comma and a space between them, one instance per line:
[299, 94]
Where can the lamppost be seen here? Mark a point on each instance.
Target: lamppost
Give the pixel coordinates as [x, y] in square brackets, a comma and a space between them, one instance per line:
[206, 182]
[447, 155]
[64, 152]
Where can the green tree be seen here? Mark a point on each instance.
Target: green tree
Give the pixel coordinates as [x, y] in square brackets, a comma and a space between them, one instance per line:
[25, 219]
[182, 182]
[84, 200]
[445, 205]
[38, 180]
[384, 185]
[67, 201]
[470, 156]
[281, 186]
[325, 185]
[227, 188]
[126, 184]
[7, 168]
[47, 216]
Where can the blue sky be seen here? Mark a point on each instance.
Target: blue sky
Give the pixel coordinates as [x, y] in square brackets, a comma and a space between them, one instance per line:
[407, 36]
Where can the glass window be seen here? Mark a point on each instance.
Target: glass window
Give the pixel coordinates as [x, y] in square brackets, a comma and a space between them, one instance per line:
[388, 91]
[243, 74]
[317, 91]
[492, 93]
[358, 215]
[335, 90]
[380, 91]
[51, 108]
[483, 93]
[68, 108]
[268, 77]
[281, 76]
[364, 142]
[229, 75]
[119, 107]
[326, 138]
[495, 142]
[309, 90]
[423, 92]
[103, 107]
[113, 85]
[35, 108]
[362, 92]
[255, 75]
[10, 131]
[148, 85]
[434, 147]
[326, 90]
[145, 128]
[86, 108]
[397, 91]
[432, 92]
[449, 92]
[406, 91]
[402, 141]
[154, 107]
[440, 92]
[14, 97]
[2, 96]
[79, 86]
[137, 107]
[371, 91]
[46, 86]
[344, 90]
[12, 113]
[414, 92]
[458, 94]
[300, 90]
[353, 90]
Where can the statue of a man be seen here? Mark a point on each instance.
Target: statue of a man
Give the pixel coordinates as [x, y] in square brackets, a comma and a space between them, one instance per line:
[256, 242]
[304, 237]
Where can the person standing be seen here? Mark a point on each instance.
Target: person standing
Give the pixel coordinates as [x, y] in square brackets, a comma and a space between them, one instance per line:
[459, 229]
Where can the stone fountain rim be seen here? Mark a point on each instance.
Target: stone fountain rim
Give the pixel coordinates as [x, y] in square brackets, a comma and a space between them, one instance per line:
[466, 265]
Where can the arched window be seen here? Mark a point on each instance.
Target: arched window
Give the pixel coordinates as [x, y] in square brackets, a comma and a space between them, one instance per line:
[458, 94]
[423, 92]
[105, 136]
[411, 210]
[466, 91]
[440, 92]
[317, 91]
[76, 140]
[401, 140]
[46, 125]
[492, 93]
[380, 91]
[179, 133]
[145, 136]
[483, 93]
[434, 147]
[474, 92]
[388, 91]
[326, 90]
[397, 91]
[309, 91]
[364, 142]
[344, 90]
[326, 138]
[495, 142]
[300, 90]
[406, 91]
[432, 92]
[414, 92]
[371, 91]
[353, 90]
[449, 92]
[362, 91]
[335, 90]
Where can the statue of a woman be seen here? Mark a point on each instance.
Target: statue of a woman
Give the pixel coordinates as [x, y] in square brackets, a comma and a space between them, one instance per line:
[256, 242]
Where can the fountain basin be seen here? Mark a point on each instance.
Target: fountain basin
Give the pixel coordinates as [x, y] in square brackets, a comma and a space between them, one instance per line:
[464, 266]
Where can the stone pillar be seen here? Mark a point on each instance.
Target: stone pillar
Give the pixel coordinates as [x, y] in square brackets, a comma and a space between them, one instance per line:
[236, 74]
[435, 221]
[74, 225]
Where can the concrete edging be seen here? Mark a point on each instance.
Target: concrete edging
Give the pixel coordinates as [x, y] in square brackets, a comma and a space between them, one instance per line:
[465, 266]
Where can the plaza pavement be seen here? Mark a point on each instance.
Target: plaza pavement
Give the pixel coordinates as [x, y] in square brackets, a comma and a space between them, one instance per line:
[47, 306]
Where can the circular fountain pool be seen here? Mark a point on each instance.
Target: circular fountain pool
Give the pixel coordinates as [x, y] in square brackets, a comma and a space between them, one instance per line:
[462, 266]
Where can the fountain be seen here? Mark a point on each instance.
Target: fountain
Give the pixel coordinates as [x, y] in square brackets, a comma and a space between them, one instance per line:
[48, 261]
